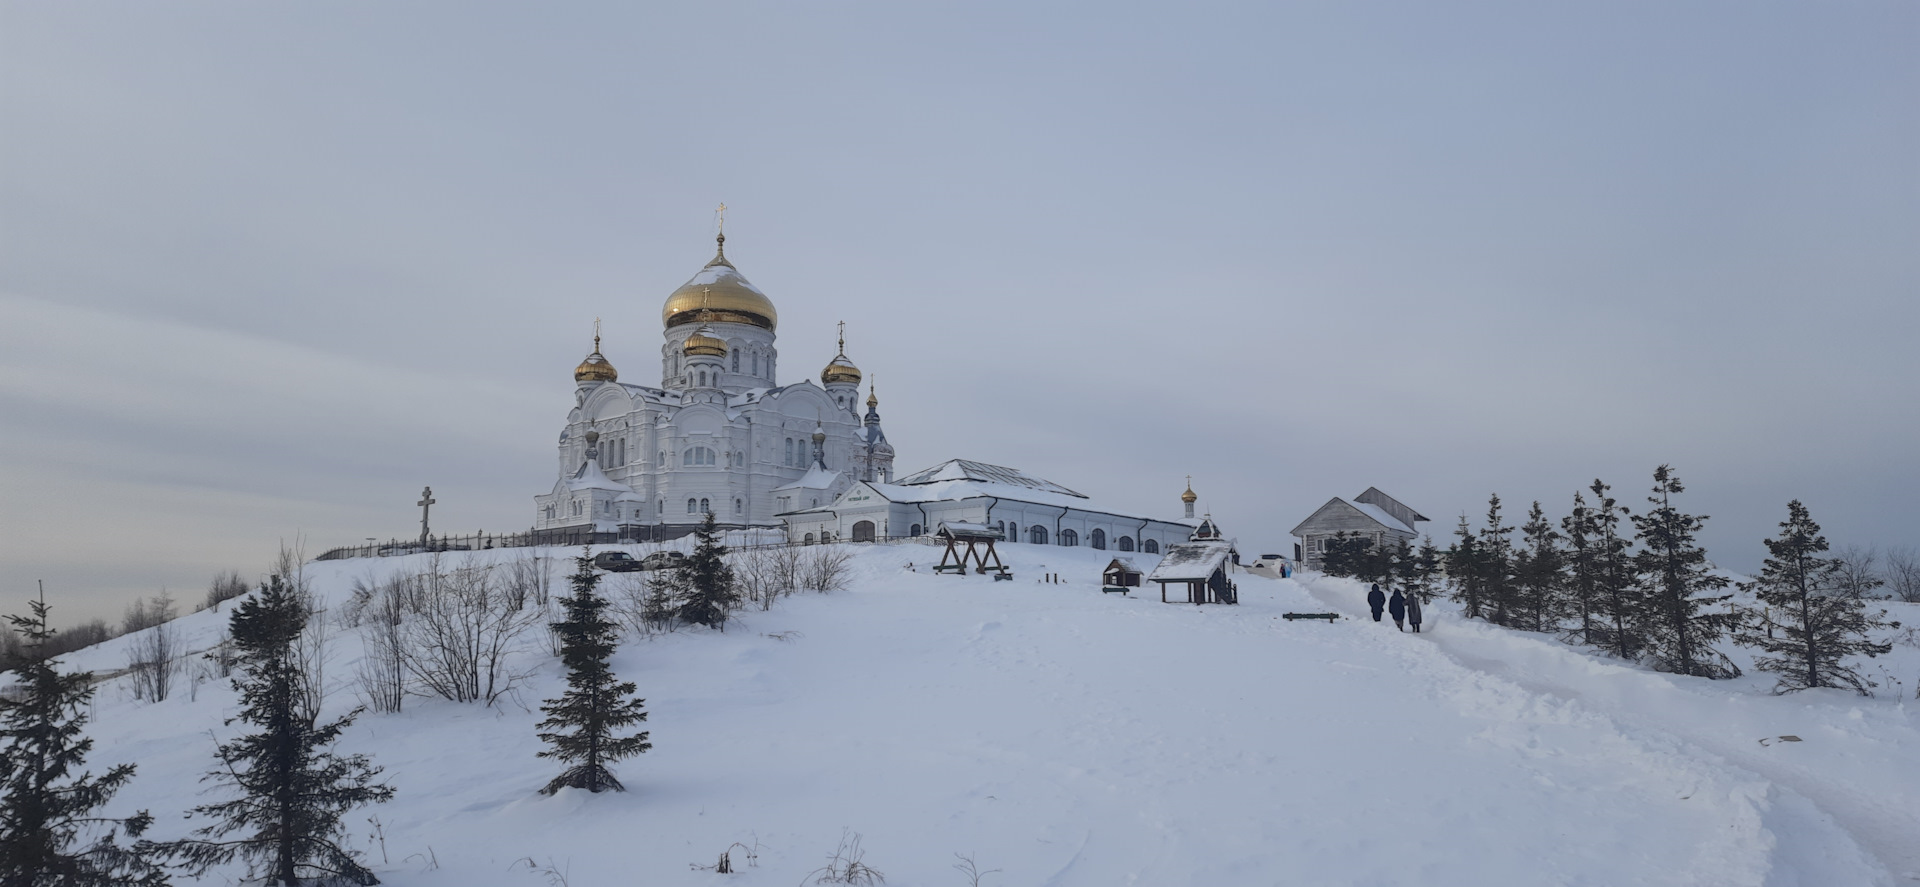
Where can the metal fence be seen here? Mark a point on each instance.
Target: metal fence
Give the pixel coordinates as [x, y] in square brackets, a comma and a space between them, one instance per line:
[737, 539]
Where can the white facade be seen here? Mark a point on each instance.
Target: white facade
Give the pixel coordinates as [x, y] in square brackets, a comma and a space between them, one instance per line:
[1026, 509]
[719, 434]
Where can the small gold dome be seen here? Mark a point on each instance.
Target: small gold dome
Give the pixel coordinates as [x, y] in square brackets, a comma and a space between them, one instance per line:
[721, 289]
[840, 371]
[703, 344]
[1189, 497]
[595, 368]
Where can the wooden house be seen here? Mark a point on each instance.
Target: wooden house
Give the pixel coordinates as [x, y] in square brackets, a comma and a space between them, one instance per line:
[1120, 575]
[1372, 515]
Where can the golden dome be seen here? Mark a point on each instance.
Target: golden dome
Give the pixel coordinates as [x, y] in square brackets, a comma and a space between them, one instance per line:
[719, 288]
[703, 344]
[595, 368]
[840, 371]
[1189, 497]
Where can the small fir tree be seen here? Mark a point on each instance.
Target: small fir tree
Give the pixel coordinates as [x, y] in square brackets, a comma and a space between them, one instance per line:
[1582, 568]
[581, 725]
[1496, 566]
[293, 789]
[1676, 578]
[1428, 570]
[1811, 624]
[1537, 573]
[1463, 570]
[707, 581]
[1347, 554]
[1619, 604]
[46, 810]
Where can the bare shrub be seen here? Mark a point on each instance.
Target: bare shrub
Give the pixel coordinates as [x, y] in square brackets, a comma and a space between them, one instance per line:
[151, 658]
[1903, 574]
[458, 645]
[145, 613]
[969, 870]
[528, 579]
[825, 567]
[381, 611]
[225, 587]
[764, 574]
[845, 866]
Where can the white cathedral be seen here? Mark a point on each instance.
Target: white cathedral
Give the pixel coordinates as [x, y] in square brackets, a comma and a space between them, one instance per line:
[719, 434]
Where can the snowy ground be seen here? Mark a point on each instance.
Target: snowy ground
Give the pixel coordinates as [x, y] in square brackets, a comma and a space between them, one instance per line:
[1066, 737]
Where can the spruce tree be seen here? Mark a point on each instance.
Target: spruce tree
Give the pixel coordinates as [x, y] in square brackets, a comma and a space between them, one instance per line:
[1496, 566]
[46, 809]
[1464, 570]
[1537, 573]
[1619, 604]
[1818, 624]
[293, 789]
[707, 581]
[1582, 586]
[1674, 573]
[581, 724]
[1428, 568]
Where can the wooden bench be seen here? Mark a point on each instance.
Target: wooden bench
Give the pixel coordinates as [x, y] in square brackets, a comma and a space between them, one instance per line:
[1113, 589]
[1292, 616]
[1003, 576]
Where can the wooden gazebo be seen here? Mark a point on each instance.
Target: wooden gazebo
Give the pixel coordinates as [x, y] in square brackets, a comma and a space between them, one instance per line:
[1199, 567]
[1120, 575]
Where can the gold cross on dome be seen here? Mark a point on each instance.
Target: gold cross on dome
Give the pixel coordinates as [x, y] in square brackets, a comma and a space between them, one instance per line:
[721, 216]
[843, 337]
[596, 334]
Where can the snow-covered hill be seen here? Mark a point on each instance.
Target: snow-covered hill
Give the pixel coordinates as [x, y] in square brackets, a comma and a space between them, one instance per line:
[1068, 737]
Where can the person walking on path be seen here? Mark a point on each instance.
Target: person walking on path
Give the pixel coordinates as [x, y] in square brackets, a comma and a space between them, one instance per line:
[1376, 600]
[1413, 612]
[1397, 606]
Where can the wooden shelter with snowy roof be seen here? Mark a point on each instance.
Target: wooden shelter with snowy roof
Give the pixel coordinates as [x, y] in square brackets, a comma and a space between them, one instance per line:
[1372, 515]
[1120, 575]
[1201, 569]
[974, 535]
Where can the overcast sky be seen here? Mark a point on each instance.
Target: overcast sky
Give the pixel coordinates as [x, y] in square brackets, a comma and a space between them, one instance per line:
[269, 269]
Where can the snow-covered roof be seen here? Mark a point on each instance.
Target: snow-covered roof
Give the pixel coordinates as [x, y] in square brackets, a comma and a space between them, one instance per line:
[816, 478]
[1381, 515]
[1190, 561]
[589, 477]
[1121, 563]
[963, 530]
[964, 469]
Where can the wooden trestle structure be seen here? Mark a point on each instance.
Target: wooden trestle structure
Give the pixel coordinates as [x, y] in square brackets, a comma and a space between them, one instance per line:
[955, 561]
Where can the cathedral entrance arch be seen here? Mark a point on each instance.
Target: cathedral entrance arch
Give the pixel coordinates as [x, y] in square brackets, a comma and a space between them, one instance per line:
[863, 531]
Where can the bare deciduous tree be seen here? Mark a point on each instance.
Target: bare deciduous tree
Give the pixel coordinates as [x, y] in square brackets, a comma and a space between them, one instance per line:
[1859, 573]
[1903, 574]
[381, 612]
[825, 567]
[151, 660]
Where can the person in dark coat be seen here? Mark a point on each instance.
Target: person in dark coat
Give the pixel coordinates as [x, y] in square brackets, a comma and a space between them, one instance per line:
[1413, 612]
[1376, 600]
[1397, 606]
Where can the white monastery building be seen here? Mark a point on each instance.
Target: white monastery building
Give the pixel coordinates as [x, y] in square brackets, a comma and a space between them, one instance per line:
[720, 434]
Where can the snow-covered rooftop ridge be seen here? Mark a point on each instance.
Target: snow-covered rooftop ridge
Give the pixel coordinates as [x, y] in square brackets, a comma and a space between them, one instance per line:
[1381, 515]
[816, 478]
[589, 477]
[1190, 561]
[965, 469]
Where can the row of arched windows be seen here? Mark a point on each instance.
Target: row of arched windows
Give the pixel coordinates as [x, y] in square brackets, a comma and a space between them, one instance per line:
[1038, 535]
[697, 456]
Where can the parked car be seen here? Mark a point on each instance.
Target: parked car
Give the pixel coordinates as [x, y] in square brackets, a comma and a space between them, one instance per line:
[616, 562]
[662, 560]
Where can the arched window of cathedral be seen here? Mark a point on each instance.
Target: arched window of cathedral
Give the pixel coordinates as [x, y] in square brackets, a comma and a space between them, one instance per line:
[704, 507]
[1098, 540]
[662, 461]
[736, 361]
[809, 539]
[913, 530]
[1126, 543]
[693, 506]
[1069, 538]
[756, 363]
[1150, 547]
[662, 509]
[703, 378]
[1013, 532]
[1037, 535]
[738, 506]
[789, 461]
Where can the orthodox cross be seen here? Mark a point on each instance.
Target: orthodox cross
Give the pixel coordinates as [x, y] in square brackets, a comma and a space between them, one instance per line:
[721, 216]
[596, 335]
[425, 503]
[843, 338]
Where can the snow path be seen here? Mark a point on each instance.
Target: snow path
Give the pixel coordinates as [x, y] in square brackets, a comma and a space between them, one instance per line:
[1062, 736]
[1855, 766]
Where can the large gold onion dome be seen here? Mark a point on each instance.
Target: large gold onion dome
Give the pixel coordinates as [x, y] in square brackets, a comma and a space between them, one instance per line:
[595, 368]
[703, 344]
[1189, 496]
[719, 287]
[840, 370]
